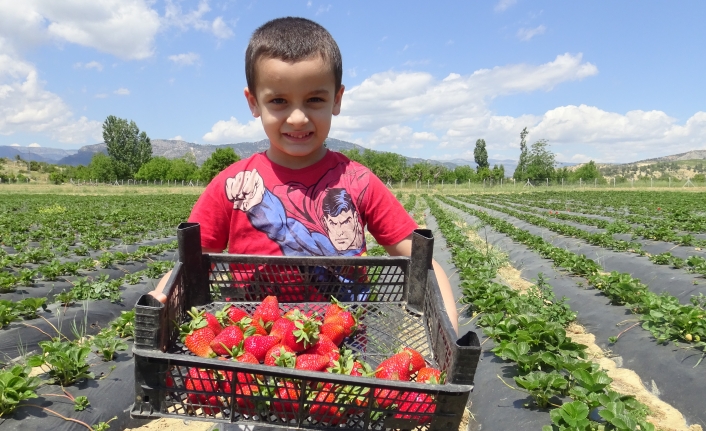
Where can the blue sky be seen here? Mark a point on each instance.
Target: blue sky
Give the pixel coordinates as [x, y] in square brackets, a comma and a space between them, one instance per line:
[609, 81]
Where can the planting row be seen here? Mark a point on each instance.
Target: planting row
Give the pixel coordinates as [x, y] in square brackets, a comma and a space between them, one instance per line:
[528, 330]
[661, 314]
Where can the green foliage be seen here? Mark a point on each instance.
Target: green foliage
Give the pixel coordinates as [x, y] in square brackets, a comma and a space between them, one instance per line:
[588, 173]
[698, 178]
[66, 361]
[183, 169]
[521, 169]
[540, 162]
[16, 386]
[219, 160]
[107, 343]
[81, 403]
[480, 155]
[156, 169]
[124, 325]
[126, 144]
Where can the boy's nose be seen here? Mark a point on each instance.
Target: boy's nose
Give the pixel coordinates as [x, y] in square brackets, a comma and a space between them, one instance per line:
[297, 117]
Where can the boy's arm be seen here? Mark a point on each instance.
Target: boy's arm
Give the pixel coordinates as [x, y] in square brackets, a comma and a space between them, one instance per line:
[404, 248]
[157, 292]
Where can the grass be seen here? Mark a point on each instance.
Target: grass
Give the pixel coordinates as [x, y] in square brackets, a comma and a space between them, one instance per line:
[100, 190]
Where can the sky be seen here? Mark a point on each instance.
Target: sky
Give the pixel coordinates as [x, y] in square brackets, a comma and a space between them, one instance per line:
[598, 80]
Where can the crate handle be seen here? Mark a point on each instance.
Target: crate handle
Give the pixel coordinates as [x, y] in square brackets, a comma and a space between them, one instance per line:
[420, 264]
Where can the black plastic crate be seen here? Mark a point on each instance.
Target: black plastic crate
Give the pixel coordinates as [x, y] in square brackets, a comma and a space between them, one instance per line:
[400, 303]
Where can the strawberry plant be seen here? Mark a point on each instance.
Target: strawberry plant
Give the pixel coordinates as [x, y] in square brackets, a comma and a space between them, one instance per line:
[124, 325]
[64, 360]
[107, 344]
[16, 386]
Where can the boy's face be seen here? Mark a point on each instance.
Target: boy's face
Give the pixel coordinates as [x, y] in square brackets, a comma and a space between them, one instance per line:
[295, 102]
[342, 229]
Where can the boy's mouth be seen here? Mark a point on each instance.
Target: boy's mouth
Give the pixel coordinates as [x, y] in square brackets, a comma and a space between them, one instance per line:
[298, 136]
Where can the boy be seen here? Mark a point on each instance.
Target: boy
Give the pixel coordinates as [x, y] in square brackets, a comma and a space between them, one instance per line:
[298, 198]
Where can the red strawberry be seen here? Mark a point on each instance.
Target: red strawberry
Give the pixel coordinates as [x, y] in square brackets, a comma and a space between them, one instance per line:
[414, 402]
[230, 315]
[311, 362]
[334, 308]
[280, 356]
[334, 331]
[197, 337]
[247, 358]
[258, 345]
[281, 326]
[323, 346]
[305, 335]
[203, 381]
[346, 319]
[268, 310]
[416, 359]
[213, 323]
[224, 342]
[395, 367]
[245, 404]
[430, 375]
[321, 409]
[285, 403]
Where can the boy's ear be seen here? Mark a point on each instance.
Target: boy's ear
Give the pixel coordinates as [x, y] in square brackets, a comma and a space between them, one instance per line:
[337, 100]
[252, 102]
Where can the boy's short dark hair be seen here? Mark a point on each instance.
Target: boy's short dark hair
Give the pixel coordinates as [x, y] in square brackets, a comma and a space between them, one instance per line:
[292, 39]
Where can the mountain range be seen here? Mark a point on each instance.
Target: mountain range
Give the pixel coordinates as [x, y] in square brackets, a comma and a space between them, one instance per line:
[173, 149]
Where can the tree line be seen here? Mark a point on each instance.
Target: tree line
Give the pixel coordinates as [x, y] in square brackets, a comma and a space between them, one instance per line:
[130, 157]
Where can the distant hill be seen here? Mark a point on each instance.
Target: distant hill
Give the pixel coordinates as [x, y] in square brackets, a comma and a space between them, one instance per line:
[689, 155]
[39, 154]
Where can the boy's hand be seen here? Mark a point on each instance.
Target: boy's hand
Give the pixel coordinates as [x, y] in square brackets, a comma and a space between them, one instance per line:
[245, 190]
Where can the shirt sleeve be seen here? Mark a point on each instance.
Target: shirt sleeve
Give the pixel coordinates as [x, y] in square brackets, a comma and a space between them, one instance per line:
[386, 219]
[213, 212]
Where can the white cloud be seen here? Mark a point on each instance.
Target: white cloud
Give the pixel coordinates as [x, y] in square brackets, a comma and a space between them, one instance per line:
[393, 98]
[185, 59]
[122, 92]
[323, 9]
[15, 145]
[101, 96]
[220, 29]
[424, 136]
[34, 145]
[503, 5]
[308, 4]
[234, 131]
[174, 16]
[176, 138]
[124, 28]
[525, 34]
[90, 65]
[25, 106]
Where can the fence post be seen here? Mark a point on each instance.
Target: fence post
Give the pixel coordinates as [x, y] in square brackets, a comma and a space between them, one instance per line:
[442, 184]
[547, 182]
[427, 184]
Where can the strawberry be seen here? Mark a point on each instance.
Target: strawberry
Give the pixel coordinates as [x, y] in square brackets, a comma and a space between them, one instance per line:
[334, 331]
[416, 359]
[395, 367]
[285, 402]
[323, 346]
[244, 402]
[224, 342]
[334, 308]
[321, 409]
[267, 311]
[414, 402]
[346, 319]
[247, 358]
[197, 336]
[230, 315]
[213, 323]
[311, 362]
[431, 376]
[281, 326]
[280, 356]
[203, 381]
[258, 345]
[305, 335]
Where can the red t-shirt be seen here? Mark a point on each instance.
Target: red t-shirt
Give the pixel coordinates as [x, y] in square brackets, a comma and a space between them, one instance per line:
[257, 207]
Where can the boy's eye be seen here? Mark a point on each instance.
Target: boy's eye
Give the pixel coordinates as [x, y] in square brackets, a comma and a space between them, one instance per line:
[316, 100]
[278, 101]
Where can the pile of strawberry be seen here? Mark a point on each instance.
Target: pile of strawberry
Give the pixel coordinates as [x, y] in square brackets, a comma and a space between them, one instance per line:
[304, 341]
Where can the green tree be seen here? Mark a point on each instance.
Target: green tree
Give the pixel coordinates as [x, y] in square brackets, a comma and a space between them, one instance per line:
[464, 173]
[183, 169]
[126, 144]
[480, 155]
[102, 168]
[156, 169]
[540, 161]
[588, 172]
[219, 160]
[522, 162]
[698, 178]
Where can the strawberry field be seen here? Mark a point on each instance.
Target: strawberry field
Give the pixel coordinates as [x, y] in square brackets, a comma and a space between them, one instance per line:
[606, 284]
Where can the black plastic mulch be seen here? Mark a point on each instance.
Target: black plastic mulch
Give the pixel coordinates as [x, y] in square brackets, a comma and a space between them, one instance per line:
[667, 370]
